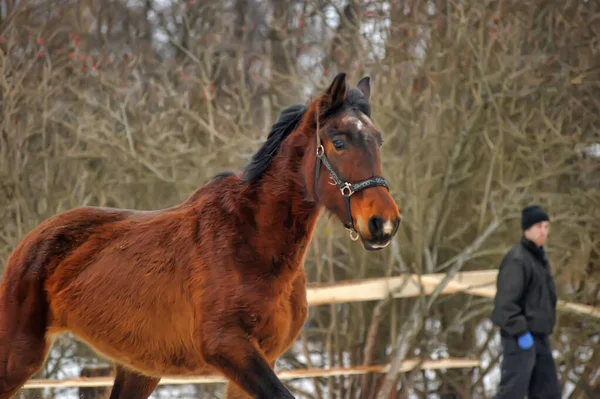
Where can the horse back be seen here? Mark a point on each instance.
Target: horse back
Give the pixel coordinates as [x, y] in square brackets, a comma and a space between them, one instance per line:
[54, 239]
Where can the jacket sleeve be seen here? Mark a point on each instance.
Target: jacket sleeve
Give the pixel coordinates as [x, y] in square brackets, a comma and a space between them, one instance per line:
[510, 286]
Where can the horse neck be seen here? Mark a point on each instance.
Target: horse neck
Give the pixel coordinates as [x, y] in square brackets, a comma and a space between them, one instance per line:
[286, 209]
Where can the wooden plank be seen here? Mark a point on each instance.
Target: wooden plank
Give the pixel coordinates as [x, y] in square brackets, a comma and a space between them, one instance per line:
[479, 282]
[407, 365]
[363, 290]
[479, 287]
[399, 287]
[580, 308]
[489, 291]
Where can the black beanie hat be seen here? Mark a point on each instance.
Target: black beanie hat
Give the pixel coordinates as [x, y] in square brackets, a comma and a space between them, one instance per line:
[531, 215]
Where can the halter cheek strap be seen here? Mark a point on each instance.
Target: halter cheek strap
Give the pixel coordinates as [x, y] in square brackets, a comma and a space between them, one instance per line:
[347, 189]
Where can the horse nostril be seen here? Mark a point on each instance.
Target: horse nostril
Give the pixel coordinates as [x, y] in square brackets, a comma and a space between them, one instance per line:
[376, 227]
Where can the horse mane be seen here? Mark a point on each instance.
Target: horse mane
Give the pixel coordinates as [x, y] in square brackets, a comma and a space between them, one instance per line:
[286, 123]
[281, 129]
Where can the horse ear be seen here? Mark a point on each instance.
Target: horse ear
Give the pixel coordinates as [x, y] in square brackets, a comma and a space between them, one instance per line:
[338, 89]
[364, 85]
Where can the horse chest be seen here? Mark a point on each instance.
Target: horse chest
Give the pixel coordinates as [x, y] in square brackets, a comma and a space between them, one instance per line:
[273, 330]
[276, 329]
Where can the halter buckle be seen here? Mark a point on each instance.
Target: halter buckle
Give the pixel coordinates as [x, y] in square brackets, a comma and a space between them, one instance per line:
[353, 234]
[346, 190]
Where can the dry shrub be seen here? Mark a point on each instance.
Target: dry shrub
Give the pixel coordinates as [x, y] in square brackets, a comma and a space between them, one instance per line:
[485, 107]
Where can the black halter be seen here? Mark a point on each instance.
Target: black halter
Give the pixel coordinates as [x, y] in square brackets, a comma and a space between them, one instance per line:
[347, 189]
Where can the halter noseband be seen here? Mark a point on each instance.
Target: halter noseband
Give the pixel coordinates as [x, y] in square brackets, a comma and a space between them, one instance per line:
[347, 189]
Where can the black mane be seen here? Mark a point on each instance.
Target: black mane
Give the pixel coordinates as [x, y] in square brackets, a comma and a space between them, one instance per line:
[286, 123]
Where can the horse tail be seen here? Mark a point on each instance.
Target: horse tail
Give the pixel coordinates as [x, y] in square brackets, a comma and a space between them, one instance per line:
[24, 311]
[22, 285]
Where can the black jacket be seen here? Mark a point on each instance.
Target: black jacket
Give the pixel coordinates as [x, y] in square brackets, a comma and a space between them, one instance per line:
[526, 295]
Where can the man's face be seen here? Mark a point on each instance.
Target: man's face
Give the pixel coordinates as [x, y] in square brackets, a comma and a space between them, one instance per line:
[538, 233]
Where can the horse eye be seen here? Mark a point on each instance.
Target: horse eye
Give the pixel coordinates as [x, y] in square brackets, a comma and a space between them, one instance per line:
[338, 144]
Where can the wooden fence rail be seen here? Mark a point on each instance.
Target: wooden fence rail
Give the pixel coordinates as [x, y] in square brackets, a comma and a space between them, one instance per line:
[480, 283]
[408, 365]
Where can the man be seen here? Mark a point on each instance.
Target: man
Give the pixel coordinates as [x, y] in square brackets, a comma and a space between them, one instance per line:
[525, 311]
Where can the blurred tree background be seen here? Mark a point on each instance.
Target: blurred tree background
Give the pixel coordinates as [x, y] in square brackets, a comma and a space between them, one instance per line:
[485, 105]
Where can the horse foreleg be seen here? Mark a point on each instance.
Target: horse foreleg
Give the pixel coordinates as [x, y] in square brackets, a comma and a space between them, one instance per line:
[235, 392]
[242, 362]
[131, 385]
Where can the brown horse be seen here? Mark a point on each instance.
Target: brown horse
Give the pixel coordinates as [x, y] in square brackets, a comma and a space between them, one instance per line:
[214, 284]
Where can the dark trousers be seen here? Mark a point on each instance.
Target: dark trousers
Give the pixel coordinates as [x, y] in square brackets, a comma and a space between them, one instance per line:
[530, 372]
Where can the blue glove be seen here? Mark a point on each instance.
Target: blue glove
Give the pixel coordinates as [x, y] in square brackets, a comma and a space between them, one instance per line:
[525, 341]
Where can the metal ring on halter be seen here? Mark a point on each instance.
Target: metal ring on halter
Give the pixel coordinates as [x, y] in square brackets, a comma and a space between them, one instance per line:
[320, 150]
[346, 190]
[353, 234]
